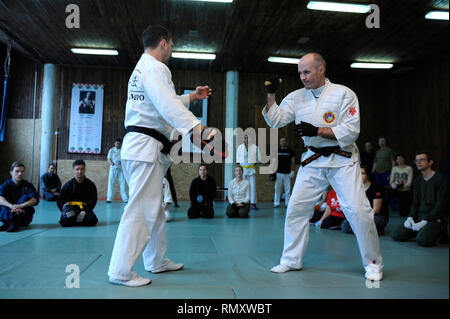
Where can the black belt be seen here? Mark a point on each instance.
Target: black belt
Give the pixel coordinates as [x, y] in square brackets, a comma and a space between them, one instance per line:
[167, 145]
[325, 151]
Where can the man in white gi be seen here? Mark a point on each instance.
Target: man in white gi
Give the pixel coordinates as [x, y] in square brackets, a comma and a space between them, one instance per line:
[153, 109]
[327, 118]
[115, 172]
[248, 155]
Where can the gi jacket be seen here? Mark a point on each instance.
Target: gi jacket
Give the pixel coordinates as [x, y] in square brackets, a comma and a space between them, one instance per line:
[153, 103]
[337, 108]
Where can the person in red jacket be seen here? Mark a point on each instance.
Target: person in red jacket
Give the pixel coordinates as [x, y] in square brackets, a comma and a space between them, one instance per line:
[333, 216]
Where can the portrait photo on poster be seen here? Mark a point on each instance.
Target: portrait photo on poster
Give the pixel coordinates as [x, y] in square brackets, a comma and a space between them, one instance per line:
[87, 102]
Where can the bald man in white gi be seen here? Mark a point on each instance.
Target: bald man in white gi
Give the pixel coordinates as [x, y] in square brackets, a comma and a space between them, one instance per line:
[327, 118]
[152, 111]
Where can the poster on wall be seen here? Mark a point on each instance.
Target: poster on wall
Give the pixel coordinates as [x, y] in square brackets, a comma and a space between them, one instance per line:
[200, 109]
[86, 114]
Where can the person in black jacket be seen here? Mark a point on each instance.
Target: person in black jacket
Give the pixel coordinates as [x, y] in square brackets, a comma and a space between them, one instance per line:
[51, 184]
[78, 199]
[202, 193]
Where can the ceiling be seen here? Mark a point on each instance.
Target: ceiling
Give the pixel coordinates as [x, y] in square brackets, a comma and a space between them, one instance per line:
[242, 34]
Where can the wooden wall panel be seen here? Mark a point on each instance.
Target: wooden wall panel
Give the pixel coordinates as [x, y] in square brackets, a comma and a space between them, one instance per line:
[115, 85]
[21, 86]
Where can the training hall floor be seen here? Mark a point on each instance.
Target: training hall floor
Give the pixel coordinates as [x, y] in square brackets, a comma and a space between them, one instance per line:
[224, 259]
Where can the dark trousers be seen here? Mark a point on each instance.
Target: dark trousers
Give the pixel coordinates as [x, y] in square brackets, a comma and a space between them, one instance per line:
[238, 211]
[404, 200]
[333, 222]
[196, 211]
[90, 219]
[172, 187]
[50, 197]
[428, 236]
[19, 220]
[380, 224]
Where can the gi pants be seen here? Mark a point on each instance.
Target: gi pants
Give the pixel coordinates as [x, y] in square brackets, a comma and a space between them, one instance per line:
[22, 219]
[114, 174]
[90, 219]
[200, 211]
[309, 186]
[48, 196]
[282, 180]
[252, 180]
[142, 229]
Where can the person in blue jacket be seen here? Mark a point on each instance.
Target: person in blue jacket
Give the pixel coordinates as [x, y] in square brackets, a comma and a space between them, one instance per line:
[17, 198]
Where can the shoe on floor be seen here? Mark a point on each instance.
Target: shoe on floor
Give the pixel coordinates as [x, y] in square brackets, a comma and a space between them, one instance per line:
[4, 227]
[281, 269]
[276, 206]
[168, 216]
[12, 228]
[108, 201]
[253, 206]
[135, 281]
[171, 266]
[374, 272]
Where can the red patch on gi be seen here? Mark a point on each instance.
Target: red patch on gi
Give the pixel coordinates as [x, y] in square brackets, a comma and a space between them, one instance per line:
[378, 194]
[352, 111]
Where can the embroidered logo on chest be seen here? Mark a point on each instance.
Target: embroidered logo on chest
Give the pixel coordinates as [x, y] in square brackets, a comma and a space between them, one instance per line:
[329, 117]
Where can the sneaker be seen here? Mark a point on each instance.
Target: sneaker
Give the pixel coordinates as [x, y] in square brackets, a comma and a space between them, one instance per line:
[253, 206]
[108, 201]
[171, 266]
[282, 268]
[168, 216]
[374, 272]
[135, 281]
[276, 206]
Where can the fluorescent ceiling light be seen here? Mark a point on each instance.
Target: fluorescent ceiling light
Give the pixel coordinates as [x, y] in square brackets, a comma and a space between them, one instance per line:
[363, 65]
[437, 15]
[277, 59]
[94, 51]
[190, 55]
[340, 7]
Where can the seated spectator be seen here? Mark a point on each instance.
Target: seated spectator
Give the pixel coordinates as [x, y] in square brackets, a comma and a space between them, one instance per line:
[332, 217]
[202, 193]
[375, 195]
[428, 215]
[17, 198]
[51, 184]
[401, 180]
[238, 195]
[320, 207]
[167, 199]
[78, 199]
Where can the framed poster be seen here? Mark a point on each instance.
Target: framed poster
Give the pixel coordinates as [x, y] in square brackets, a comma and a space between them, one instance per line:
[86, 117]
[200, 109]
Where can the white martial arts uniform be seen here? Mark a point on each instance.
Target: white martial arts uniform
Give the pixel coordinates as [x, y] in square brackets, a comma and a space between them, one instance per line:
[337, 108]
[115, 172]
[247, 159]
[152, 103]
